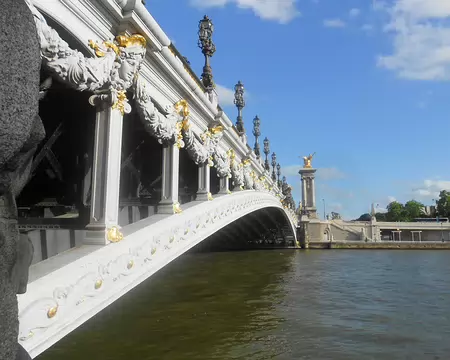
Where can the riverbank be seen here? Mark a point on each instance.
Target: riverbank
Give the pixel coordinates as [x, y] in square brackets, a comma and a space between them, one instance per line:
[388, 245]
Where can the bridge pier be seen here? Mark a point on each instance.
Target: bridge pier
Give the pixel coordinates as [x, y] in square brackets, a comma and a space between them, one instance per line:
[106, 173]
[303, 233]
[170, 178]
[204, 182]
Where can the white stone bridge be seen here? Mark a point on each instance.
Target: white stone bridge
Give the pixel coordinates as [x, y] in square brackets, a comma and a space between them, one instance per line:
[139, 165]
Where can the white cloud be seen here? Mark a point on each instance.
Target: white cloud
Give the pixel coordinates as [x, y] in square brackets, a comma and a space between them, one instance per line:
[421, 39]
[430, 189]
[354, 12]
[226, 95]
[282, 11]
[391, 199]
[334, 23]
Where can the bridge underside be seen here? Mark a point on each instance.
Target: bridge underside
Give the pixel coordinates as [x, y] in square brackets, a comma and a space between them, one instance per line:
[264, 228]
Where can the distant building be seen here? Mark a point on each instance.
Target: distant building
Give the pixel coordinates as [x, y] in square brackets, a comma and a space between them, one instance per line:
[429, 210]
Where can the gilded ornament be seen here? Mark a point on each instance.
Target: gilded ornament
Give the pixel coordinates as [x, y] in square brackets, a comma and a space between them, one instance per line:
[182, 108]
[210, 197]
[307, 161]
[246, 162]
[98, 284]
[114, 235]
[216, 129]
[153, 251]
[52, 312]
[177, 208]
[186, 231]
[130, 264]
[121, 102]
[171, 239]
[122, 40]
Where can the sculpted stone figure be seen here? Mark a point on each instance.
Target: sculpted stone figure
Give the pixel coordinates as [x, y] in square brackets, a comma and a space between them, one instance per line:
[288, 200]
[237, 171]
[248, 179]
[222, 163]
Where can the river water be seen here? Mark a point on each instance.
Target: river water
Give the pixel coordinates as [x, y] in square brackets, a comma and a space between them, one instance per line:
[256, 305]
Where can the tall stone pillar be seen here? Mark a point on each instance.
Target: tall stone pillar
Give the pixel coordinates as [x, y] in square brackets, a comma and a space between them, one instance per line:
[224, 185]
[106, 173]
[308, 191]
[204, 182]
[170, 178]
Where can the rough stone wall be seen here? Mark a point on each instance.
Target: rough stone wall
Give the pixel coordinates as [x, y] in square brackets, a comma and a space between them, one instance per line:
[20, 132]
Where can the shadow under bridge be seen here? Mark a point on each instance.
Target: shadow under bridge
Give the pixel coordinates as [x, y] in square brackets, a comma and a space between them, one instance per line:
[261, 229]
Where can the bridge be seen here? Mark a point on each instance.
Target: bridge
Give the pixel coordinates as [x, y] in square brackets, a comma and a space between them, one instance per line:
[139, 165]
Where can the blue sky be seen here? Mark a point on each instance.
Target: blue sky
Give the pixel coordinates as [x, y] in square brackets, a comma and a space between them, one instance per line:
[364, 84]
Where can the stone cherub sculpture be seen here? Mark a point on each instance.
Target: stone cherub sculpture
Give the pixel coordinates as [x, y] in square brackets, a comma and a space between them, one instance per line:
[237, 171]
[307, 161]
[29, 43]
[248, 178]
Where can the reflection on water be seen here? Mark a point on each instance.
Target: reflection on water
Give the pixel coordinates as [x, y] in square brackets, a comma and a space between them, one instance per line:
[330, 304]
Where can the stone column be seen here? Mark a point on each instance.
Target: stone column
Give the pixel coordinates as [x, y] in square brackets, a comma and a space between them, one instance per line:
[308, 191]
[204, 182]
[170, 175]
[105, 173]
[224, 185]
[313, 192]
[303, 192]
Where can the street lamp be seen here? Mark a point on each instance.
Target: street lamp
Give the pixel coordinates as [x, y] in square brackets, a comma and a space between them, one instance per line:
[240, 104]
[205, 32]
[257, 133]
[274, 164]
[278, 175]
[266, 152]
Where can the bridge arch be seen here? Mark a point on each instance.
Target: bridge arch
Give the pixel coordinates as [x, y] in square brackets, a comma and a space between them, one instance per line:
[83, 287]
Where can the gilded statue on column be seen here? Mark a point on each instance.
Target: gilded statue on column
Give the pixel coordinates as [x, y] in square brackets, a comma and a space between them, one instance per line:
[307, 161]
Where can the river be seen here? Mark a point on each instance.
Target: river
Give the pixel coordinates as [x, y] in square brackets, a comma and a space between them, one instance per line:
[286, 305]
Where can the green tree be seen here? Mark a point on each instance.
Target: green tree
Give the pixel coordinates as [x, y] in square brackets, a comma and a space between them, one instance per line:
[381, 216]
[413, 209]
[396, 212]
[335, 216]
[443, 204]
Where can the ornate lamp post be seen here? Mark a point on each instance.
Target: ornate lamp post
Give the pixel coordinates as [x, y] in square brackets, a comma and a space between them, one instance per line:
[240, 104]
[274, 164]
[278, 175]
[257, 134]
[205, 31]
[266, 152]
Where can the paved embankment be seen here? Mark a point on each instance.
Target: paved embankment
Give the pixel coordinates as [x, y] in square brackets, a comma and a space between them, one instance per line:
[425, 245]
